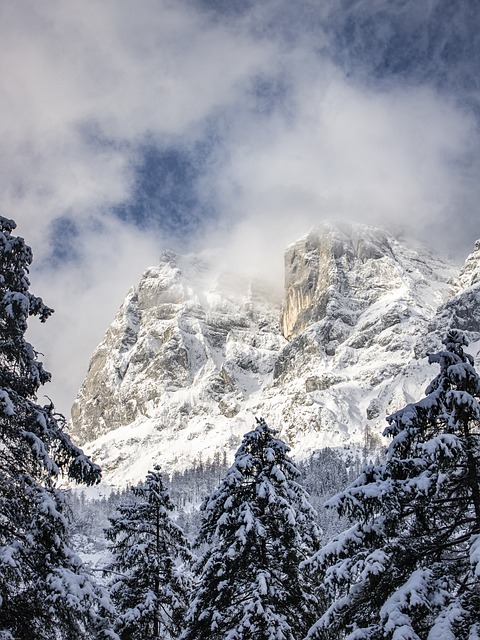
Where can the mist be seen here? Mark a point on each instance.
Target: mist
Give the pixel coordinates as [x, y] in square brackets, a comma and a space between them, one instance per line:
[192, 125]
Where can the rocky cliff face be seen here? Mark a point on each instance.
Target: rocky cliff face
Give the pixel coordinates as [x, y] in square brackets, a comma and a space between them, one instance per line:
[186, 350]
[461, 310]
[329, 266]
[193, 356]
[351, 359]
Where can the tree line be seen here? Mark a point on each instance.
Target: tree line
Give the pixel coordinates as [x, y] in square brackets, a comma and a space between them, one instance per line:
[406, 566]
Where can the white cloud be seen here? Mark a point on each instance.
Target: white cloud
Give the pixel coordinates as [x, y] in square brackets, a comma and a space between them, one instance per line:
[85, 298]
[400, 159]
[84, 83]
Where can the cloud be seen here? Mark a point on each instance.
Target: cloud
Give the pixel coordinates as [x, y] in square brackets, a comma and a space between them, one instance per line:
[182, 124]
[404, 159]
[433, 42]
[85, 295]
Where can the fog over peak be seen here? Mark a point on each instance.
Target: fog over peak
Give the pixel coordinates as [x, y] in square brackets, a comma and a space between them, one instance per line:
[200, 123]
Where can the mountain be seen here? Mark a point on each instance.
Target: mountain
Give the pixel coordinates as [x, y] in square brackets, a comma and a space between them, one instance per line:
[196, 352]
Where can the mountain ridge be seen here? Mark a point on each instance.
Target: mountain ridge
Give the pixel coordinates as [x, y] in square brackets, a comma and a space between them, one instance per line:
[196, 352]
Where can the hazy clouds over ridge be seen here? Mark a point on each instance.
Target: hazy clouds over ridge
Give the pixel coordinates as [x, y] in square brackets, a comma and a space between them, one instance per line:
[184, 123]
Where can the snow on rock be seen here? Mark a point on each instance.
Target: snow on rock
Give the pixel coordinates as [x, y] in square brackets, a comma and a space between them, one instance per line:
[195, 352]
[462, 310]
[171, 378]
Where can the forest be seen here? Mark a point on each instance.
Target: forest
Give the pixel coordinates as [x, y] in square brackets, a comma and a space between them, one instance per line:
[395, 554]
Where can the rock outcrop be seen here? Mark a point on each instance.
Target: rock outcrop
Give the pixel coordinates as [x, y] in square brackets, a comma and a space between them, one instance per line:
[195, 353]
[329, 266]
[186, 350]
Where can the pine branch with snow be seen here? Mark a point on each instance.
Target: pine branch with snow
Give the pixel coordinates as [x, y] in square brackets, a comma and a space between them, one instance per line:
[259, 526]
[149, 583]
[45, 592]
[409, 568]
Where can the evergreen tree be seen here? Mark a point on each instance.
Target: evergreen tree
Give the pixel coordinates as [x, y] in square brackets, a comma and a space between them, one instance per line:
[259, 526]
[148, 587]
[409, 567]
[44, 592]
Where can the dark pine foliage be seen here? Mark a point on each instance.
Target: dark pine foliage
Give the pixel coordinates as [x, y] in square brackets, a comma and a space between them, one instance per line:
[148, 585]
[259, 526]
[44, 592]
[409, 566]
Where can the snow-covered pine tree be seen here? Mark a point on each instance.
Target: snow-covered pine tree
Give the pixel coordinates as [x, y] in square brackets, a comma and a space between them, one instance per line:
[409, 567]
[44, 591]
[259, 527]
[149, 587]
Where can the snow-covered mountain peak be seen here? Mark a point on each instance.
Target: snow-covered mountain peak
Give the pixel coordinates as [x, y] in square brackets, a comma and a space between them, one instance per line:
[461, 311]
[187, 348]
[196, 351]
[470, 273]
[338, 271]
[200, 284]
[178, 280]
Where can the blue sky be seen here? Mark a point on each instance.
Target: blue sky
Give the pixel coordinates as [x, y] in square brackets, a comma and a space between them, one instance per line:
[129, 127]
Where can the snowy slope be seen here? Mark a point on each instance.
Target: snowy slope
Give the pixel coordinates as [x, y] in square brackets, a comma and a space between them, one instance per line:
[194, 354]
[353, 360]
[184, 354]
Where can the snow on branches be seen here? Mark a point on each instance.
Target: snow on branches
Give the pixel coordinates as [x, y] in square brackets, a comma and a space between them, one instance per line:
[259, 526]
[44, 591]
[408, 567]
